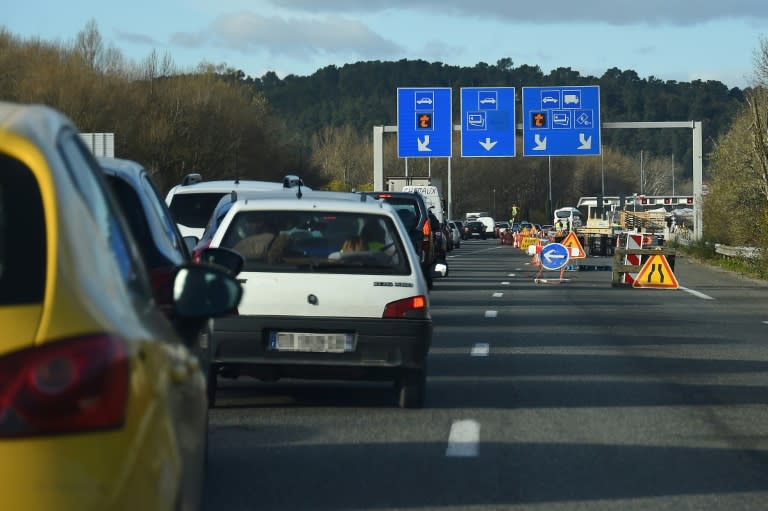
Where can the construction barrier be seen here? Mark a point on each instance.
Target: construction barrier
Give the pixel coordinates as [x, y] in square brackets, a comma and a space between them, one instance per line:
[638, 256]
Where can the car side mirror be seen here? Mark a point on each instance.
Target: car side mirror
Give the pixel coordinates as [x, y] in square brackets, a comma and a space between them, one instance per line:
[202, 291]
[191, 242]
[226, 258]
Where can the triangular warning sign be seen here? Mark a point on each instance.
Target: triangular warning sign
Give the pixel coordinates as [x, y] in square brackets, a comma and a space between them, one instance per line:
[656, 273]
[572, 243]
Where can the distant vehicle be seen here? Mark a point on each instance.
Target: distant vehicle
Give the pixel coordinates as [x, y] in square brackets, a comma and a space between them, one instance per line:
[455, 233]
[424, 101]
[474, 229]
[572, 216]
[490, 225]
[431, 198]
[486, 101]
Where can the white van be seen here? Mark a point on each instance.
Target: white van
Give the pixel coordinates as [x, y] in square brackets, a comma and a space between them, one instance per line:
[572, 216]
[490, 225]
[431, 197]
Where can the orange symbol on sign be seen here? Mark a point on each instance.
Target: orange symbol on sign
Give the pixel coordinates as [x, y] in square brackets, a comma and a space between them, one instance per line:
[425, 121]
[572, 243]
[539, 120]
[656, 273]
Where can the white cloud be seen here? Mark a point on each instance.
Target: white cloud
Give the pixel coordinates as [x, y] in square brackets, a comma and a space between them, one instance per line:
[615, 12]
[133, 38]
[247, 32]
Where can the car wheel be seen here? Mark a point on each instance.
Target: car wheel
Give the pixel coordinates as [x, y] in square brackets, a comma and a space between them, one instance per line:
[411, 388]
[212, 384]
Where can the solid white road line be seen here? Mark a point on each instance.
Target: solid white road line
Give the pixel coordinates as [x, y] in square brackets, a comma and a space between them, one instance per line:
[696, 293]
[498, 295]
[464, 439]
[480, 349]
[491, 314]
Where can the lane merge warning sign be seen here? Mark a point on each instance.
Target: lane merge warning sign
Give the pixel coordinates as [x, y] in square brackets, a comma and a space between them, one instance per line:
[656, 273]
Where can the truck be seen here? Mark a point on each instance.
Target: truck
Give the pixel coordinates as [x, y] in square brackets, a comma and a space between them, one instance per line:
[431, 196]
[622, 214]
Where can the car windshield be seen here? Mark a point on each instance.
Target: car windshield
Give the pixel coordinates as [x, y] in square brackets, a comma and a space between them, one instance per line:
[331, 242]
[193, 209]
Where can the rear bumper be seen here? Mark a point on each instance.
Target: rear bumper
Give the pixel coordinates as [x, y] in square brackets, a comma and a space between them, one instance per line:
[240, 345]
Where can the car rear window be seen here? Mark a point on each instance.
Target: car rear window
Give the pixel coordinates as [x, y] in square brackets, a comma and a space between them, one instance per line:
[194, 209]
[406, 207]
[317, 242]
[22, 235]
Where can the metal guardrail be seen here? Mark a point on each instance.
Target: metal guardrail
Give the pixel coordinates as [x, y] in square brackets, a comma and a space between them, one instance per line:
[726, 250]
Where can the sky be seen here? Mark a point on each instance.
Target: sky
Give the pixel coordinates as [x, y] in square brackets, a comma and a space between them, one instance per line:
[681, 40]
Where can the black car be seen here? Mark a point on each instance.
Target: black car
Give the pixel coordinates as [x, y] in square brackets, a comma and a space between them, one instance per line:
[423, 230]
[474, 230]
[161, 246]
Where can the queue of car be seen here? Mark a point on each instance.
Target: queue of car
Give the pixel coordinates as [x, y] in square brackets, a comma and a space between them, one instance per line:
[102, 398]
[120, 310]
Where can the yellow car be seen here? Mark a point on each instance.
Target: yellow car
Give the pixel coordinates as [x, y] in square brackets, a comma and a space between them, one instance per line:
[102, 405]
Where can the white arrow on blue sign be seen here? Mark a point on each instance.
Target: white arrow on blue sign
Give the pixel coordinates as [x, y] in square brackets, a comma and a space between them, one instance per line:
[554, 256]
[487, 121]
[561, 121]
[424, 124]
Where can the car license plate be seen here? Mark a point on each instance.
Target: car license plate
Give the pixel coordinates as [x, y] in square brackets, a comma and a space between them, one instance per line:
[311, 342]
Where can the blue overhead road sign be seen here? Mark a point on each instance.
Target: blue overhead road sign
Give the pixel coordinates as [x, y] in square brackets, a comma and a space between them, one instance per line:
[487, 121]
[561, 121]
[554, 256]
[424, 124]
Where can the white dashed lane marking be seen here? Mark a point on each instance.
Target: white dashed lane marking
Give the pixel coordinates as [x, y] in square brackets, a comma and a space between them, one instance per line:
[498, 295]
[696, 293]
[464, 439]
[491, 314]
[480, 349]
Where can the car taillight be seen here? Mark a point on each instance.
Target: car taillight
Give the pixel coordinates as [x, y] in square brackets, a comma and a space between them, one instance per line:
[414, 307]
[162, 284]
[198, 250]
[74, 385]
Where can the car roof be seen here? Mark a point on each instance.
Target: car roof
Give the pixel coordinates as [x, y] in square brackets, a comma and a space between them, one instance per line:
[313, 201]
[197, 185]
[167, 245]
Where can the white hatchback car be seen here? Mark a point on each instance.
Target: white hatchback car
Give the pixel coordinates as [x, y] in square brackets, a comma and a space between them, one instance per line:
[332, 289]
[192, 202]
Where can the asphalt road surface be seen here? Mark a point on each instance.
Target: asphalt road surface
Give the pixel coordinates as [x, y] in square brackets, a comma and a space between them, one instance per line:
[567, 396]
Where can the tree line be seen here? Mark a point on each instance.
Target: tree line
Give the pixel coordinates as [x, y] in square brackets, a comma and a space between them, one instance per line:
[224, 123]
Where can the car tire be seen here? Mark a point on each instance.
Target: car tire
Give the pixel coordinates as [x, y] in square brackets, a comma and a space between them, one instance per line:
[428, 276]
[212, 385]
[411, 388]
